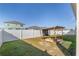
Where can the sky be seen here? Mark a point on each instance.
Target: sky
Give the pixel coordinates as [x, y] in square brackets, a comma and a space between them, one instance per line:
[45, 15]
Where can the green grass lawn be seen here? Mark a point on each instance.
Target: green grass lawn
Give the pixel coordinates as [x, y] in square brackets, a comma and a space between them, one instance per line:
[69, 45]
[20, 48]
[72, 40]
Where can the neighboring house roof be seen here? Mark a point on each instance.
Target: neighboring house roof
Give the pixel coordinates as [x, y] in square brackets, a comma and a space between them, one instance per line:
[56, 27]
[14, 22]
[44, 28]
[36, 27]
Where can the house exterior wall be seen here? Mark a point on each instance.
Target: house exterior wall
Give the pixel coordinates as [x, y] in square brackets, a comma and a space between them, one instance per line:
[9, 25]
[51, 32]
[77, 40]
[65, 32]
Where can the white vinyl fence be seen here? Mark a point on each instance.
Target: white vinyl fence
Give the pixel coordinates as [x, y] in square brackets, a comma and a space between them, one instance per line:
[10, 35]
[0, 37]
[31, 33]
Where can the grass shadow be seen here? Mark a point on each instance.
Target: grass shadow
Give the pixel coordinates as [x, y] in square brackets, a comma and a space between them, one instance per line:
[8, 36]
[71, 51]
[63, 49]
[72, 48]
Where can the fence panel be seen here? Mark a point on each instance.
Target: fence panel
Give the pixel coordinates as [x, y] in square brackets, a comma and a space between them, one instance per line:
[10, 35]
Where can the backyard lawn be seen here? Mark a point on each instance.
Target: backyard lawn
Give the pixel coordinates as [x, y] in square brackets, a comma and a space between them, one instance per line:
[68, 46]
[20, 48]
[72, 47]
[27, 47]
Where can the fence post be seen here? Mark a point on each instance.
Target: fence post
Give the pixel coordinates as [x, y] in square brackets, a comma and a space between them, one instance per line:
[21, 34]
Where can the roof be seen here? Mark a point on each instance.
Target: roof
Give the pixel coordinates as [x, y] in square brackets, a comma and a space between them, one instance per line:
[14, 22]
[36, 27]
[56, 27]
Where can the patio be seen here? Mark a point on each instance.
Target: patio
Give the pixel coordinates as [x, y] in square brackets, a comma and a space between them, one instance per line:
[46, 45]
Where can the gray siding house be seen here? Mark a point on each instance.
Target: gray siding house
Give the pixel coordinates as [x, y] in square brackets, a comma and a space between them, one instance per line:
[13, 25]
